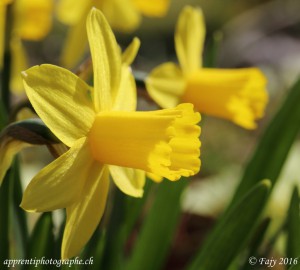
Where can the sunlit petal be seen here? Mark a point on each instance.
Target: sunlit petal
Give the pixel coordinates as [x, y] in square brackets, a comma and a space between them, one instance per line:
[106, 60]
[126, 96]
[61, 99]
[235, 94]
[189, 39]
[131, 51]
[157, 8]
[165, 84]
[84, 216]
[128, 180]
[59, 184]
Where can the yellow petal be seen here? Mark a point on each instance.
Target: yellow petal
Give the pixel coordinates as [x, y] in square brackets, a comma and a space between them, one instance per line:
[130, 181]
[33, 18]
[60, 183]
[238, 95]
[165, 84]
[61, 99]
[25, 113]
[19, 63]
[84, 216]
[106, 60]
[152, 8]
[2, 32]
[122, 15]
[71, 13]
[151, 141]
[131, 51]
[189, 38]
[155, 178]
[8, 149]
[5, 2]
[126, 96]
[73, 51]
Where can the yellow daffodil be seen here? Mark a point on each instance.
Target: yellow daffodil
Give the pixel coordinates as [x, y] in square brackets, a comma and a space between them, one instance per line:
[105, 136]
[123, 16]
[238, 95]
[32, 20]
[3, 4]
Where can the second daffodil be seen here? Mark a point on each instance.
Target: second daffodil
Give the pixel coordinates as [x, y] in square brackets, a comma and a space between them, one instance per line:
[238, 95]
[104, 132]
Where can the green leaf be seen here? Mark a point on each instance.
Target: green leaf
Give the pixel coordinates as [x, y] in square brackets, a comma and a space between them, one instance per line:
[5, 200]
[210, 56]
[293, 227]
[155, 237]
[95, 249]
[296, 264]
[256, 241]
[274, 145]
[232, 231]
[19, 219]
[41, 243]
[124, 215]
[3, 116]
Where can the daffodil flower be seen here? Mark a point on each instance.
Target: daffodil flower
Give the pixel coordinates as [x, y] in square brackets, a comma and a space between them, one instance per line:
[32, 20]
[123, 16]
[238, 95]
[3, 4]
[105, 135]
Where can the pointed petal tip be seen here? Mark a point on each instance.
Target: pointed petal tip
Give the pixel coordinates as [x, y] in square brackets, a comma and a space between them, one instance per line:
[27, 209]
[140, 193]
[24, 74]
[137, 41]
[93, 9]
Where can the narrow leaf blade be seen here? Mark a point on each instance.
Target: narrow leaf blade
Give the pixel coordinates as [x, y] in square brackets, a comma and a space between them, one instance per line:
[232, 231]
[159, 227]
[274, 145]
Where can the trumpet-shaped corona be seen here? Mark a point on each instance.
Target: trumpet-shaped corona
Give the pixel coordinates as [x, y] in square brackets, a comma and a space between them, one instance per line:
[149, 141]
[238, 95]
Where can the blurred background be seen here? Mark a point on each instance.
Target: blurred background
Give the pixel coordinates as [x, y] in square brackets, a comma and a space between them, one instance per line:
[262, 33]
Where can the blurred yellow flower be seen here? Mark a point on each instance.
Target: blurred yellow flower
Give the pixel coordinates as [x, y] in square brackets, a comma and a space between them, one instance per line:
[32, 20]
[123, 16]
[238, 95]
[3, 4]
[104, 133]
